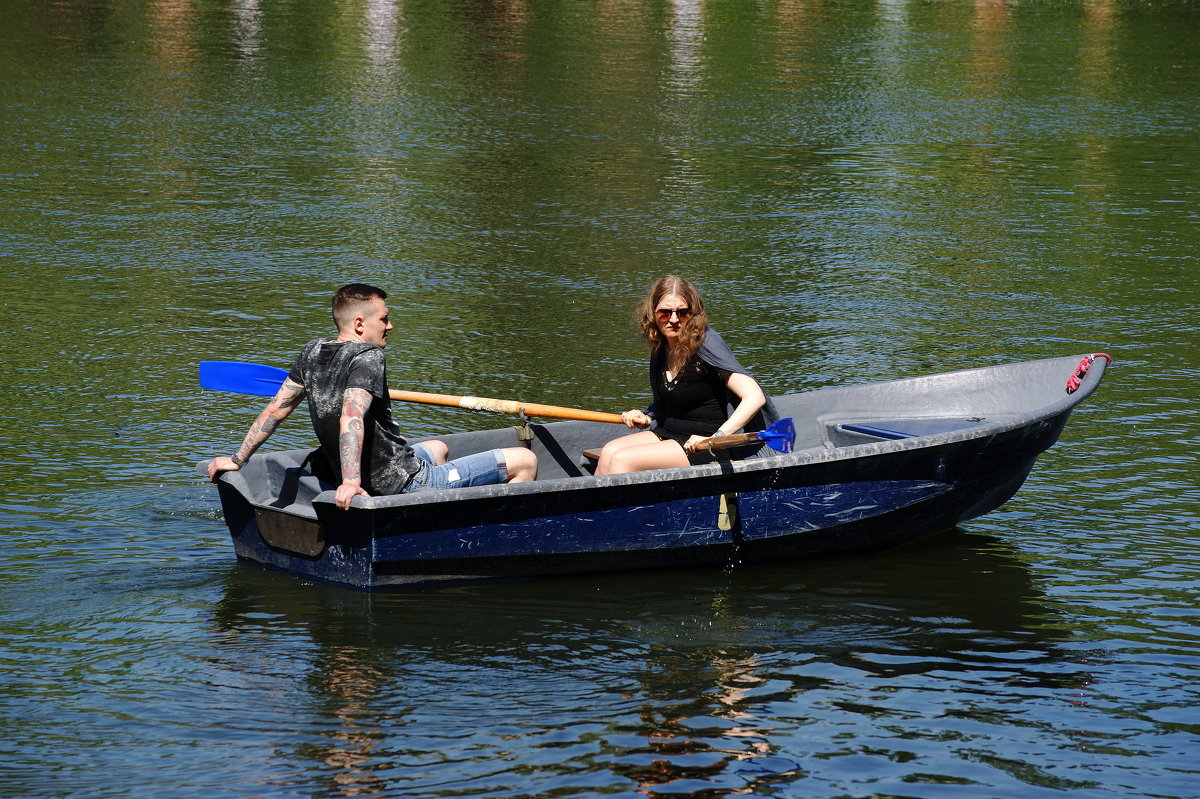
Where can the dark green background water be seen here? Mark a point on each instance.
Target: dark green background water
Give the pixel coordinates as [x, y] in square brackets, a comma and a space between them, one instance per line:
[862, 190]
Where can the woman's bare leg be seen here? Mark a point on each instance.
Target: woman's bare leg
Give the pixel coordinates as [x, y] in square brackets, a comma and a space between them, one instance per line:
[645, 453]
[618, 444]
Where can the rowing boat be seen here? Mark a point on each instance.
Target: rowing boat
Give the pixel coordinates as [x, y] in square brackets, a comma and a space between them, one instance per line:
[872, 466]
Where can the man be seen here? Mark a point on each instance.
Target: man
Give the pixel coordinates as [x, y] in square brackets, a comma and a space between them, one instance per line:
[364, 454]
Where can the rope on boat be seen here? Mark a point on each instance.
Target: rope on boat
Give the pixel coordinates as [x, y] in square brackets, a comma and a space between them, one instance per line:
[1082, 369]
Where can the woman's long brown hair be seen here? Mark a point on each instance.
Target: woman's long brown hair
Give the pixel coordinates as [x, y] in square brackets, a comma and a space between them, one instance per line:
[691, 332]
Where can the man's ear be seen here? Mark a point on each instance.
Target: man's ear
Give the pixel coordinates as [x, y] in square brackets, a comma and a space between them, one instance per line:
[359, 325]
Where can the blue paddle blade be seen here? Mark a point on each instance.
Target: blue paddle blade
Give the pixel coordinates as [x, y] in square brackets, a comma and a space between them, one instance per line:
[241, 378]
[780, 435]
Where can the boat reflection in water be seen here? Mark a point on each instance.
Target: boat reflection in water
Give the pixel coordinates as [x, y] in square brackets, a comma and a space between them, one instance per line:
[668, 684]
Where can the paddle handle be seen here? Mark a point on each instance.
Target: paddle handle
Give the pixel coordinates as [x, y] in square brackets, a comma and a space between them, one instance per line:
[506, 406]
[726, 442]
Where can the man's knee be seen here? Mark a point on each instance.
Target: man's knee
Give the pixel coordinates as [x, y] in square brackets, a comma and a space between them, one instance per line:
[438, 450]
[521, 464]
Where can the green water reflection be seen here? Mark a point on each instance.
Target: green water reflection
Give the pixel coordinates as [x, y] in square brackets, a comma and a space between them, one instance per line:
[862, 189]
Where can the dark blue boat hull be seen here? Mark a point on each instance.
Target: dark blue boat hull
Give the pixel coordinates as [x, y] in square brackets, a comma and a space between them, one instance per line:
[826, 501]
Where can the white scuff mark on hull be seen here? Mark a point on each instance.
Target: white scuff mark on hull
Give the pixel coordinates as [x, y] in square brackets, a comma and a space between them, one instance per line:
[852, 511]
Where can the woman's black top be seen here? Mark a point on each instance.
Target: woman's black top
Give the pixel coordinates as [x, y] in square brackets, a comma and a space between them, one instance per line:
[694, 402]
[697, 402]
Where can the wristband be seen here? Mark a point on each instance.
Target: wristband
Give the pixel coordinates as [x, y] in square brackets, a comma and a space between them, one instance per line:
[238, 460]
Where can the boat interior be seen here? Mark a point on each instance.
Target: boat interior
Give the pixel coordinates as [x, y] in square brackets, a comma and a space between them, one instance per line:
[827, 419]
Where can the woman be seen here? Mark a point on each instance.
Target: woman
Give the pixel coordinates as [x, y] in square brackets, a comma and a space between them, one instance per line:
[700, 390]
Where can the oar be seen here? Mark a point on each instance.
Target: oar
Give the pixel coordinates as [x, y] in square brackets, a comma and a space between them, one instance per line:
[264, 381]
[779, 436]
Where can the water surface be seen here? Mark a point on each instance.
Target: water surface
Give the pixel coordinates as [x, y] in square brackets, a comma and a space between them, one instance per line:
[862, 190]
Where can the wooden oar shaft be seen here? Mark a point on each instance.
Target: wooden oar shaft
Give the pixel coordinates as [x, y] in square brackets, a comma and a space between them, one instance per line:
[512, 407]
[726, 442]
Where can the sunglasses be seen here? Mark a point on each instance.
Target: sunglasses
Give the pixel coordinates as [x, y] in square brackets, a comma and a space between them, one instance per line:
[665, 314]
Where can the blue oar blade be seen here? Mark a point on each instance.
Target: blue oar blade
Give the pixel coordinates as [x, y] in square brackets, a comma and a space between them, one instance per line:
[241, 378]
[780, 435]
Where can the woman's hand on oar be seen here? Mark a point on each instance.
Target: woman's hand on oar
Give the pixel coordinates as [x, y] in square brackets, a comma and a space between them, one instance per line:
[264, 381]
[779, 436]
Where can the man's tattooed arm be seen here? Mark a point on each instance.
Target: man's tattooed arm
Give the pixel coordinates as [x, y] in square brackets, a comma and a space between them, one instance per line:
[285, 401]
[355, 403]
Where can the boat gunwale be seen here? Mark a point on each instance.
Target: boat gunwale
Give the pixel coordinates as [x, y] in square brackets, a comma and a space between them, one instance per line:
[720, 471]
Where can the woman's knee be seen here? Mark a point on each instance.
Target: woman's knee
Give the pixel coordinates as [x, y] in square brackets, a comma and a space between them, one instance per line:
[660, 455]
[618, 462]
[613, 450]
[630, 459]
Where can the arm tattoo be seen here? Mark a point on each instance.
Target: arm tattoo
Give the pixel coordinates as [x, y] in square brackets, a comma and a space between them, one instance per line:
[259, 432]
[266, 426]
[350, 442]
[285, 400]
[293, 397]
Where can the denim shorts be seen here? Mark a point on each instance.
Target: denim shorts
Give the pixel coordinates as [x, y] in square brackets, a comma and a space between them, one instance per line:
[482, 469]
